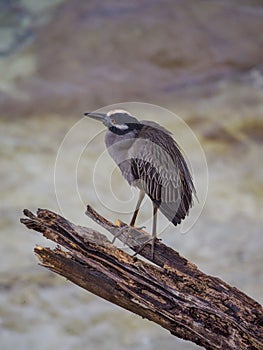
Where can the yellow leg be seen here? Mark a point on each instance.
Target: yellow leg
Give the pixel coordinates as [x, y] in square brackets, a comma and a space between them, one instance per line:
[140, 199]
[154, 228]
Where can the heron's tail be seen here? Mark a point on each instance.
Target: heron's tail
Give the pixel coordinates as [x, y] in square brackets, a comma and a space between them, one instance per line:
[175, 212]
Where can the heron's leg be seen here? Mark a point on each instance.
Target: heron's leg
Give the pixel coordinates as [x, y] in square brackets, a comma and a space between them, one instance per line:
[154, 228]
[134, 217]
[138, 205]
[154, 233]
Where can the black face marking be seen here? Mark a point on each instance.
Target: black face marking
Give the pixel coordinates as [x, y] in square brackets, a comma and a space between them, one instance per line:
[131, 127]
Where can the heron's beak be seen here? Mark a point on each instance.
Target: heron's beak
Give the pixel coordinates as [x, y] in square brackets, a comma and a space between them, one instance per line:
[97, 116]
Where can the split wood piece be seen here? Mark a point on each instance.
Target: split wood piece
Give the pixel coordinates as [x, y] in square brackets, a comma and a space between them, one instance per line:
[175, 294]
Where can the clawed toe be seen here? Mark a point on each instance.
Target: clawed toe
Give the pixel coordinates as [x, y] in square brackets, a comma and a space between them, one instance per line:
[152, 240]
[140, 228]
[130, 232]
[119, 233]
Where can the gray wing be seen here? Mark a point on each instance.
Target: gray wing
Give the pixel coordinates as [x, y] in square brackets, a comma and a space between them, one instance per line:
[158, 168]
[155, 126]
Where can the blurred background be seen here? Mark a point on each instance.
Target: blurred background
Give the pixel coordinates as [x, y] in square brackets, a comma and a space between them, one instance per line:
[201, 59]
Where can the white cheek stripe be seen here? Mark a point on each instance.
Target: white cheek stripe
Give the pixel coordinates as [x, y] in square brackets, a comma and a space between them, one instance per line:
[121, 126]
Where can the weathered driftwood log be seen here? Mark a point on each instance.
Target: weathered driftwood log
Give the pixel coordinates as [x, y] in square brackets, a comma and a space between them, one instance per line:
[172, 293]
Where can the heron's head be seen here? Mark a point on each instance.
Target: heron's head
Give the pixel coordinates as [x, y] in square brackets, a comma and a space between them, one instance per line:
[118, 121]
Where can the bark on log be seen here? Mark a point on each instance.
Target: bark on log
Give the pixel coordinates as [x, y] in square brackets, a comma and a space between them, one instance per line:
[169, 291]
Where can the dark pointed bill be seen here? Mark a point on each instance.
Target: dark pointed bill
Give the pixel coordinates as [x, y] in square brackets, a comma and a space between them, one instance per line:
[97, 116]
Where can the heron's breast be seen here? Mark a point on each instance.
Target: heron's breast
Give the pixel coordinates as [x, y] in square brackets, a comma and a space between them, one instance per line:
[119, 146]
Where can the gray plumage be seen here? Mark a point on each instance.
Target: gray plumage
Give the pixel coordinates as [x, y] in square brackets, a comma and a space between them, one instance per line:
[151, 160]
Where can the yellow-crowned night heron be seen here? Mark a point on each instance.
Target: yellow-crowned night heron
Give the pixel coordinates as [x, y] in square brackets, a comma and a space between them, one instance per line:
[149, 159]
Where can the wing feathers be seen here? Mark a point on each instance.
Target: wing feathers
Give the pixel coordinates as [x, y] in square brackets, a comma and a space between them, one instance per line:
[158, 168]
[154, 163]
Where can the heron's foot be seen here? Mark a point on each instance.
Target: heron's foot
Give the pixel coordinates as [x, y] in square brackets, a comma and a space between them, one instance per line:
[131, 232]
[139, 228]
[152, 240]
[119, 233]
[127, 228]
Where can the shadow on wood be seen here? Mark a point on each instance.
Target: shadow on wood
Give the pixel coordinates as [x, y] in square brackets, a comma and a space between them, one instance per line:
[169, 291]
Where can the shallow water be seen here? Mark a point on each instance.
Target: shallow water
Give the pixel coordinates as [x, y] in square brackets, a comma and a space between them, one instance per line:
[42, 100]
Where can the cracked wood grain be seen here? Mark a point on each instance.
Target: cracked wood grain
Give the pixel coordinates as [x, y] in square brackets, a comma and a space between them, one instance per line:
[169, 290]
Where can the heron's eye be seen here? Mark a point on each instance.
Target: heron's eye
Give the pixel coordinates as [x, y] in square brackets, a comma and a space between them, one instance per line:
[113, 121]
